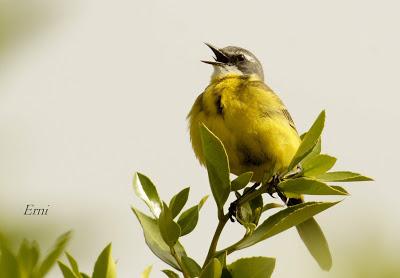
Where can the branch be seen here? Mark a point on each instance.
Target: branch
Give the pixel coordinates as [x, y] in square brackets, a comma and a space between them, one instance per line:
[223, 219]
[178, 260]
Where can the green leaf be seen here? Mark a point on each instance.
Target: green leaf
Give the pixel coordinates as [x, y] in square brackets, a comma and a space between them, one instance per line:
[146, 272]
[170, 273]
[271, 206]
[189, 218]
[318, 165]
[84, 275]
[4, 242]
[8, 264]
[284, 220]
[217, 165]
[342, 176]
[202, 201]
[241, 181]
[35, 249]
[190, 266]
[178, 202]
[256, 202]
[245, 214]
[66, 271]
[254, 267]
[249, 213]
[212, 270]
[309, 141]
[105, 265]
[53, 255]
[73, 264]
[170, 231]
[222, 258]
[315, 241]
[225, 273]
[308, 187]
[339, 188]
[28, 256]
[155, 241]
[315, 151]
[146, 190]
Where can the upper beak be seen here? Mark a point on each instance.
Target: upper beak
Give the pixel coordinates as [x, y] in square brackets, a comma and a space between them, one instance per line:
[220, 58]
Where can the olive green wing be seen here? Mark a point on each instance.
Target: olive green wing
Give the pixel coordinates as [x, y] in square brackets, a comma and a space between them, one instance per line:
[261, 86]
[286, 113]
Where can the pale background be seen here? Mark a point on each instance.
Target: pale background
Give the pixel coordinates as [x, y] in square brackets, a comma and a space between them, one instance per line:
[100, 89]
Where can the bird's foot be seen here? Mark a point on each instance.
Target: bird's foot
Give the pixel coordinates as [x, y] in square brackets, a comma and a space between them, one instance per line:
[234, 206]
[276, 179]
[232, 210]
[273, 188]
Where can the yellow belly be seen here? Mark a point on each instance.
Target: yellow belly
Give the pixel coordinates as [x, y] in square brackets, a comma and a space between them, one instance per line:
[247, 116]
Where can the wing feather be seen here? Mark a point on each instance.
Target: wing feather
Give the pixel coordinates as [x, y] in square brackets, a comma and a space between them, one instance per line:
[283, 110]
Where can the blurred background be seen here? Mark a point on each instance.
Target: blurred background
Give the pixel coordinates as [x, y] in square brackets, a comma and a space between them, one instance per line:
[91, 91]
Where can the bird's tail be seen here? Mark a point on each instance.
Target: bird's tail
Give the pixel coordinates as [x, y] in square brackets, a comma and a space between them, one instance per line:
[294, 201]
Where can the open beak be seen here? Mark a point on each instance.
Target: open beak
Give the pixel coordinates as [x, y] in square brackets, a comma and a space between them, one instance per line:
[220, 58]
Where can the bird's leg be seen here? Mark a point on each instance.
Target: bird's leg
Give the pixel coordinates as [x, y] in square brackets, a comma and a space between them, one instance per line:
[252, 188]
[232, 210]
[273, 187]
[276, 179]
[233, 207]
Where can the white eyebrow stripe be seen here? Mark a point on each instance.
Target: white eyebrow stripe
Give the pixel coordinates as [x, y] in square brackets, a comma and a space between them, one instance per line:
[248, 57]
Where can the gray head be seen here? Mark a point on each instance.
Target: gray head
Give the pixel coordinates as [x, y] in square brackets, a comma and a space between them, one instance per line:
[235, 60]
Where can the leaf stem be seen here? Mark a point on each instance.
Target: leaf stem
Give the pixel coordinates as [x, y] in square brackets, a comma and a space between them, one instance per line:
[223, 219]
[179, 262]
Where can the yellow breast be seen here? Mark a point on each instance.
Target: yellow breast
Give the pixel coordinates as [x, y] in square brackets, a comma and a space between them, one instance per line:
[250, 120]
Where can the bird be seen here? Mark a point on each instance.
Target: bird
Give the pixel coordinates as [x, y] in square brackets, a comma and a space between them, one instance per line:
[256, 129]
[254, 125]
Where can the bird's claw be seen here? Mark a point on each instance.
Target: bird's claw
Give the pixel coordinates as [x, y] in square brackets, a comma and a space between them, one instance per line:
[271, 191]
[233, 207]
[232, 210]
[273, 188]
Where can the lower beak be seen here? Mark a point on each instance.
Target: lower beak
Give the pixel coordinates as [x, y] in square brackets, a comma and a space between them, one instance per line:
[214, 63]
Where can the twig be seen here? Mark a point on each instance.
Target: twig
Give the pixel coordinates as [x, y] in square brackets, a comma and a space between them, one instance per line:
[178, 260]
[213, 246]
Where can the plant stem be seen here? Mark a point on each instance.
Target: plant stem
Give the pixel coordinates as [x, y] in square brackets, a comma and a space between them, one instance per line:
[179, 262]
[213, 246]
[223, 219]
[245, 198]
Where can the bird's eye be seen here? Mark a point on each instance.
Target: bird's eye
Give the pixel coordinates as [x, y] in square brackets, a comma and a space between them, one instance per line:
[240, 57]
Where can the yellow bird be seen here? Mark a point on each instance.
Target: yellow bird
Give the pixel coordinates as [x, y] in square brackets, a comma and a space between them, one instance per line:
[250, 119]
[256, 129]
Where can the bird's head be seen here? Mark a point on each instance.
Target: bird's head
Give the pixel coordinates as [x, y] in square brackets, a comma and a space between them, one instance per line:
[235, 60]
